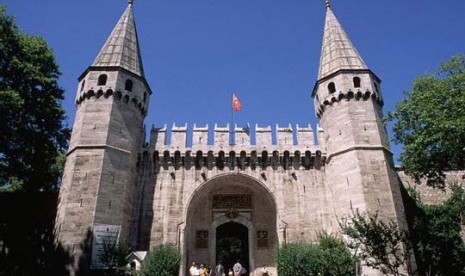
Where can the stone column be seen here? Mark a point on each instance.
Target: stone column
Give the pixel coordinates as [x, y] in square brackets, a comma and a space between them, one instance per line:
[282, 239]
[182, 248]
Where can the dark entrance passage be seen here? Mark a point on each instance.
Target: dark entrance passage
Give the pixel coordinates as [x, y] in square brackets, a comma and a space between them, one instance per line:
[232, 244]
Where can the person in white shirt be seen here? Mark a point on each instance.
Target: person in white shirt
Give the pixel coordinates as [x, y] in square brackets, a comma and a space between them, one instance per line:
[194, 270]
[237, 268]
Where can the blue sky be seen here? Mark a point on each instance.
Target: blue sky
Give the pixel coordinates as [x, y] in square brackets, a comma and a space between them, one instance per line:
[197, 52]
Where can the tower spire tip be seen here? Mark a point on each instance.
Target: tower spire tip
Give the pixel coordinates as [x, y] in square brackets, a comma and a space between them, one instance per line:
[327, 4]
[130, 2]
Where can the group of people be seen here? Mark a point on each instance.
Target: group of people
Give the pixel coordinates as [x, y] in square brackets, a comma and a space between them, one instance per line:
[200, 270]
[219, 270]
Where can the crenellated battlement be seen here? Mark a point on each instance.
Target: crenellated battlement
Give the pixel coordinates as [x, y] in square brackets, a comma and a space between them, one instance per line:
[244, 137]
[283, 146]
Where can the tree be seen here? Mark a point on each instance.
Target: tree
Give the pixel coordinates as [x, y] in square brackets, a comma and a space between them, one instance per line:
[114, 256]
[296, 259]
[436, 234]
[33, 137]
[162, 260]
[434, 238]
[336, 256]
[429, 123]
[380, 245]
[328, 257]
[27, 240]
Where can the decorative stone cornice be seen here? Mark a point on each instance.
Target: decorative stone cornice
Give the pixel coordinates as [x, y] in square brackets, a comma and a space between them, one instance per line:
[125, 97]
[96, 146]
[348, 96]
[358, 147]
[243, 160]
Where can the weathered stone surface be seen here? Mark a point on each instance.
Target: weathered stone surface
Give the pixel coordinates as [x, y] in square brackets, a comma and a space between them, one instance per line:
[275, 185]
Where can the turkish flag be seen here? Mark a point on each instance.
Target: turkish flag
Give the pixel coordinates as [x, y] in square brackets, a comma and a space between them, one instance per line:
[236, 104]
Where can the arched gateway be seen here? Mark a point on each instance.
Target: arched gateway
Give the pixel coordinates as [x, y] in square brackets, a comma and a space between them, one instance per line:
[217, 194]
[231, 217]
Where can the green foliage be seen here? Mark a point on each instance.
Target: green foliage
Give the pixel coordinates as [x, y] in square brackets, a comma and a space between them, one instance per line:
[380, 245]
[114, 256]
[32, 132]
[296, 259]
[336, 257]
[329, 257]
[162, 260]
[27, 240]
[429, 123]
[436, 240]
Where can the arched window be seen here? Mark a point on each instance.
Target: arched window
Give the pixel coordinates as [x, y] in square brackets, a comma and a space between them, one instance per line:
[82, 84]
[102, 80]
[356, 82]
[128, 85]
[331, 87]
[145, 97]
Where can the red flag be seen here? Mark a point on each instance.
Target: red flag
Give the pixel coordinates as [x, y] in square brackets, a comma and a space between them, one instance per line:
[236, 104]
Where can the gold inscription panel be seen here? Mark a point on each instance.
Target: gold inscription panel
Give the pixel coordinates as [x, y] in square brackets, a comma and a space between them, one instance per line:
[228, 201]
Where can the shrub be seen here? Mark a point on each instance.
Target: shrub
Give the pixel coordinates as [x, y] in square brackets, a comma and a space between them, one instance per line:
[295, 259]
[162, 260]
[330, 257]
[336, 257]
[380, 245]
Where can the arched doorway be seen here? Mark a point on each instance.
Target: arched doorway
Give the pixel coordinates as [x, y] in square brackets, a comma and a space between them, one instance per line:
[232, 244]
[235, 207]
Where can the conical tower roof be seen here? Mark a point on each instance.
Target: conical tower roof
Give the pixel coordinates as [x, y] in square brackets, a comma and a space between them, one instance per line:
[337, 51]
[122, 46]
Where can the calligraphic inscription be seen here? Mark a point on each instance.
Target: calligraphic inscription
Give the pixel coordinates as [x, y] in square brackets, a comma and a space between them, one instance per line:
[236, 201]
[201, 239]
[262, 239]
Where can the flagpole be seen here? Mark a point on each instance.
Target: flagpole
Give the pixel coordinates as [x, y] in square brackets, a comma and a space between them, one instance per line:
[231, 141]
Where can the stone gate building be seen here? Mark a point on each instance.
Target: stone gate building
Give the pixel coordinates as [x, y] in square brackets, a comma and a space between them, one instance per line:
[228, 199]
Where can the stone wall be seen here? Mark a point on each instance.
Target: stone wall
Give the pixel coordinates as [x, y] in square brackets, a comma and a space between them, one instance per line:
[176, 184]
[432, 195]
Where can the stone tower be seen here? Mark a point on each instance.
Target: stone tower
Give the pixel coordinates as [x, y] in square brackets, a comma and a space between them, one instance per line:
[96, 195]
[348, 101]
[213, 199]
